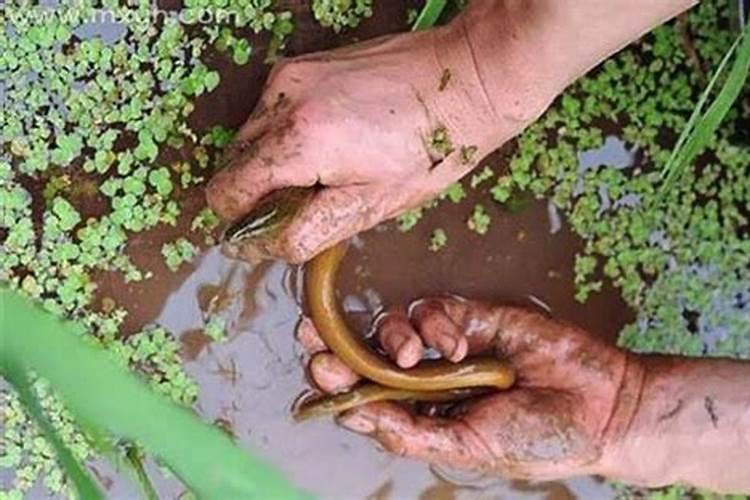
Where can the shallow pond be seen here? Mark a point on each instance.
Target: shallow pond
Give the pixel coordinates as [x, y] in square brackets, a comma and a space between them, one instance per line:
[248, 383]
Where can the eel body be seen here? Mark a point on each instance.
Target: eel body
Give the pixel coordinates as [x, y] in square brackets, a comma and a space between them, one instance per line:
[431, 380]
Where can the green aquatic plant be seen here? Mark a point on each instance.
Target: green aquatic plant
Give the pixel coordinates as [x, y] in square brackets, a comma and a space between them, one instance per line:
[215, 328]
[341, 14]
[479, 220]
[108, 400]
[95, 112]
[231, 17]
[429, 14]
[701, 127]
[178, 252]
[438, 240]
[680, 258]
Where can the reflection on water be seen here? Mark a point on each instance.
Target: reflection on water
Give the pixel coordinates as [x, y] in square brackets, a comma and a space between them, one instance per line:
[248, 383]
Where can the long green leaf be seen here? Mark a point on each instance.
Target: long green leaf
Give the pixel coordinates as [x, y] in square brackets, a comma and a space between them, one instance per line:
[85, 485]
[111, 398]
[702, 127]
[429, 14]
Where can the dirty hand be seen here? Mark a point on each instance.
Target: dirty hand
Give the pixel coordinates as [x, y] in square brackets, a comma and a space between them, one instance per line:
[381, 126]
[565, 416]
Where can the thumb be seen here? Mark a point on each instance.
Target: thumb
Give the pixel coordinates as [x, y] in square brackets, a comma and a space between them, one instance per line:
[331, 215]
[435, 440]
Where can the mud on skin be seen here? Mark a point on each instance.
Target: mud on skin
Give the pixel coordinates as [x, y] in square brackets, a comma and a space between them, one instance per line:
[556, 422]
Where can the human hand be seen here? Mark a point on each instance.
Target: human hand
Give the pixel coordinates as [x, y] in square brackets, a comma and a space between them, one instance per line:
[566, 415]
[381, 126]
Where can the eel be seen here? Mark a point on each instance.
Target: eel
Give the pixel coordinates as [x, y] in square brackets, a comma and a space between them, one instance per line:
[431, 380]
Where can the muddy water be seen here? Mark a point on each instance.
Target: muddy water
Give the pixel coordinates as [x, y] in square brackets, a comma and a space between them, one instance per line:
[248, 383]
[520, 261]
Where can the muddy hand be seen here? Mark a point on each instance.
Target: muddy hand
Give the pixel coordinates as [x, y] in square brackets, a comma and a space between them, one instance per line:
[381, 127]
[568, 406]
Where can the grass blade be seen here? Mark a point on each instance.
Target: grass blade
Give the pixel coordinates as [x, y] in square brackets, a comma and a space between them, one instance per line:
[701, 127]
[99, 391]
[85, 485]
[429, 14]
[134, 458]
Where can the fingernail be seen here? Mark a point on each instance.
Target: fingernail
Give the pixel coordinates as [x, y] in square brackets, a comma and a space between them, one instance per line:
[357, 422]
[460, 350]
[409, 353]
[447, 345]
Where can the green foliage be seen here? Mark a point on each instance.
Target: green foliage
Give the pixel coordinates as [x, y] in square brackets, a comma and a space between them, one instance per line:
[455, 193]
[681, 259]
[480, 178]
[215, 328]
[438, 240]
[701, 128]
[479, 221]
[407, 220]
[234, 16]
[109, 399]
[340, 14]
[178, 252]
[89, 119]
[429, 14]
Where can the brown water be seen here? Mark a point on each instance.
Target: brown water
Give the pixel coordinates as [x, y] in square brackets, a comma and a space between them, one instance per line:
[248, 383]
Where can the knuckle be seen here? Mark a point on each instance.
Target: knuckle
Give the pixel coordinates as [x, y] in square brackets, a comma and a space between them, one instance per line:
[279, 72]
[290, 72]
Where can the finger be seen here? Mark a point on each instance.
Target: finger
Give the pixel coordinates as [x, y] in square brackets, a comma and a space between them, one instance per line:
[282, 89]
[330, 374]
[527, 332]
[438, 330]
[259, 167]
[434, 440]
[477, 321]
[307, 335]
[399, 339]
[332, 215]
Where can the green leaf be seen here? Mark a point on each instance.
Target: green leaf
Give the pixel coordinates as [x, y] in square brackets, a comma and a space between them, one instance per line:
[241, 52]
[66, 213]
[429, 14]
[15, 373]
[161, 180]
[211, 81]
[701, 127]
[103, 393]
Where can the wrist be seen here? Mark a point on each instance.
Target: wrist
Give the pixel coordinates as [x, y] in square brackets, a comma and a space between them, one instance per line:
[691, 425]
[495, 88]
[618, 429]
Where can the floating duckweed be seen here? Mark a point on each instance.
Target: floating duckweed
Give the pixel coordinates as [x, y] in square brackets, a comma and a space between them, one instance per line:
[438, 240]
[215, 328]
[481, 177]
[681, 261]
[479, 221]
[178, 252]
[455, 193]
[90, 107]
[340, 14]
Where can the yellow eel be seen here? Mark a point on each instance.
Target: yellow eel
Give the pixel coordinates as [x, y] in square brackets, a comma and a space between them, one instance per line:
[431, 380]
